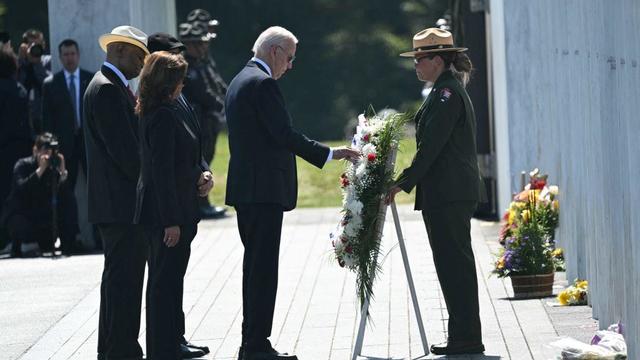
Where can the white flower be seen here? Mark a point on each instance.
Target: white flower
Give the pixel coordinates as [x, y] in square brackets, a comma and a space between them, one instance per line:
[355, 206]
[348, 260]
[338, 245]
[553, 189]
[353, 226]
[361, 170]
[362, 121]
[368, 149]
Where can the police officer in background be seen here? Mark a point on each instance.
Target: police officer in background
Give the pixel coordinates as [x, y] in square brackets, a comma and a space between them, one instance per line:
[204, 88]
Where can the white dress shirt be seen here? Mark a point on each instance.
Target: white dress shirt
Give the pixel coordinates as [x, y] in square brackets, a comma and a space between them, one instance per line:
[266, 67]
[76, 96]
[118, 72]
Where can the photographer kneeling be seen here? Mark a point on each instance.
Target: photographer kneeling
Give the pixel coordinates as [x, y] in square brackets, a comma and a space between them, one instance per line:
[39, 181]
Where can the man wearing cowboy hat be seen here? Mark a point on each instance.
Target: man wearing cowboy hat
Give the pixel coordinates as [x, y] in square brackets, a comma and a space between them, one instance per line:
[111, 137]
[445, 174]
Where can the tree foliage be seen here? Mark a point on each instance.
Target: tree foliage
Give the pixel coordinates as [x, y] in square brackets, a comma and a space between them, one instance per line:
[347, 57]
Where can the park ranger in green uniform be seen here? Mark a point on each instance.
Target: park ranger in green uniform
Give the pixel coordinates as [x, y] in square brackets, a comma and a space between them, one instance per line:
[444, 172]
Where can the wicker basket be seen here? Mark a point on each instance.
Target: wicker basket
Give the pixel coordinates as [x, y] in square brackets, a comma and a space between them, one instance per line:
[532, 286]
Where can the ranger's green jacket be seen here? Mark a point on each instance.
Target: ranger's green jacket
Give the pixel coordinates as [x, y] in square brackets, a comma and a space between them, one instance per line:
[445, 167]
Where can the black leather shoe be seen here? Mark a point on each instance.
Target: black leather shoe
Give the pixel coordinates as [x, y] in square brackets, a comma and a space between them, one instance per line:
[267, 355]
[187, 352]
[194, 346]
[457, 348]
[212, 212]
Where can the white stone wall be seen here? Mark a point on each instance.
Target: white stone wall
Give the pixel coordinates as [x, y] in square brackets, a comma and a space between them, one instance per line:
[85, 20]
[572, 97]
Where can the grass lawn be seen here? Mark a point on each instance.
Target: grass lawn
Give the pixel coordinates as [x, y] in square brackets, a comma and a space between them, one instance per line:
[316, 187]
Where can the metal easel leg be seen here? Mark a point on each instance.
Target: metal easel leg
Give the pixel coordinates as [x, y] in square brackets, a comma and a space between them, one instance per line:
[357, 349]
[407, 269]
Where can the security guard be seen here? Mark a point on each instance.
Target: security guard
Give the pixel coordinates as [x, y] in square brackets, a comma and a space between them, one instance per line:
[205, 90]
[445, 174]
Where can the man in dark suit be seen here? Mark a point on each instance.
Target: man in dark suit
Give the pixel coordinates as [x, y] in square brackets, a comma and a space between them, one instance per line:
[262, 180]
[446, 176]
[62, 106]
[113, 166]
[62, 114]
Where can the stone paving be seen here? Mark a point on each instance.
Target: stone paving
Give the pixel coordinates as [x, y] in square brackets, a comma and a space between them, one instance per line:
[49, 308]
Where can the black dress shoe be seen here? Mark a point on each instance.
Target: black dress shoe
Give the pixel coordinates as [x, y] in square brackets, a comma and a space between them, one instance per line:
[194, 346]
[212, 212]
[267, 355]
[187, 352]
[457, 348]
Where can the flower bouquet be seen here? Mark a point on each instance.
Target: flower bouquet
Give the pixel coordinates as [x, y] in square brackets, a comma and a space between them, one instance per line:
[575, 294]
[356, 240]
[547, 204]
[528, 253]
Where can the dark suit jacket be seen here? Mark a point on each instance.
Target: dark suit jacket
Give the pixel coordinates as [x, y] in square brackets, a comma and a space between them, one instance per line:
[445, 167]
[58, 114]
[262, 142]
[111, 138]
[167, 193]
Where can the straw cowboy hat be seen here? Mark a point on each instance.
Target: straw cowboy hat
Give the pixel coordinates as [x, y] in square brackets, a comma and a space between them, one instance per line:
[432, 40]
[125, 34]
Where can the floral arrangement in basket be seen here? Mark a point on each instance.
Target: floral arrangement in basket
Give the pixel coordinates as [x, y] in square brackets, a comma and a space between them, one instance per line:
[546, 201]
[575, 294]
[356, 239]
[527, 235]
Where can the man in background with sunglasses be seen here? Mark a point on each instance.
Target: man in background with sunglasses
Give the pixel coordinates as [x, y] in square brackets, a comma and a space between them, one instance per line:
[205, 89]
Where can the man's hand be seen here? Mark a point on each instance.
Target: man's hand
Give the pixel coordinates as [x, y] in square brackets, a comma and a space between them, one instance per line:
[391, 195]
[344, 152]
[205, 183]
[43, 164]
[171, 236]
[62, 167]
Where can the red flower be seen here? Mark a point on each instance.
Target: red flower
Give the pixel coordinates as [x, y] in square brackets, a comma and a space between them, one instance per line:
[365, 138]
[348, 249]
[371, 157]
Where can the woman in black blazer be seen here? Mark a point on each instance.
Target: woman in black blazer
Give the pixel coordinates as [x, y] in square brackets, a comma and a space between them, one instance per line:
[171, 179]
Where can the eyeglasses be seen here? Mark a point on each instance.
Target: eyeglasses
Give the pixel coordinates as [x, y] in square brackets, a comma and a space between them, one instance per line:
[290, 58]
[416, 60]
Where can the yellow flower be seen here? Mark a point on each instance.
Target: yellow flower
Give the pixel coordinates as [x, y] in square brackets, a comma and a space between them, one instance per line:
[556, 205]
[512, 216]
[526, 215]
[582, 284]
[557, 253]
[500, 263]
[563, 297]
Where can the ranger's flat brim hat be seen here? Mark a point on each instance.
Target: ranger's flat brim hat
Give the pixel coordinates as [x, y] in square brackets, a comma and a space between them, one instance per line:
[432, 40]
[125, 34]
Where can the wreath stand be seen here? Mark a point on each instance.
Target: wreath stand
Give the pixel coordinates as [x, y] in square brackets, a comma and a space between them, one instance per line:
[357, 350]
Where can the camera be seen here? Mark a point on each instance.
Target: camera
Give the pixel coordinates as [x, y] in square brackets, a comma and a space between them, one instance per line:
[35, 50]
[54, 160]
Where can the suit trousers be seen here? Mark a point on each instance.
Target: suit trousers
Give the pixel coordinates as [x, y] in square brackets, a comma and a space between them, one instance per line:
[165, 287]
[260, 226]
[125, 254]
[449, 230]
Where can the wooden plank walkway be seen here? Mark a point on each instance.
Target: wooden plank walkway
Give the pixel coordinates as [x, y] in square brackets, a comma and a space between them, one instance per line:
[49, 308]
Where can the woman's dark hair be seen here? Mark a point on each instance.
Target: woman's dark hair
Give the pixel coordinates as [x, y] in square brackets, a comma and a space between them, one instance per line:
[8, 63]
[162, 73]
[460, 64]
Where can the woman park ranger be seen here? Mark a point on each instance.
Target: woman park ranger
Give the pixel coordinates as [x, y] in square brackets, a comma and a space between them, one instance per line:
[445, 173]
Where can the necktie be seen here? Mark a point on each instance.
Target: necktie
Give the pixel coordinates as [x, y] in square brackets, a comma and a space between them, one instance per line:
[74, 101]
